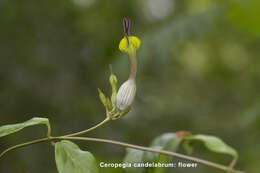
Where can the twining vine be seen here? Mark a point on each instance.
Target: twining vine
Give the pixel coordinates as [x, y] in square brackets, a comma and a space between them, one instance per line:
[118, 105]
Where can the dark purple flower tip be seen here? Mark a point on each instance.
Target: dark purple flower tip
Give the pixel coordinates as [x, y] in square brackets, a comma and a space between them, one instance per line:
[126, 24]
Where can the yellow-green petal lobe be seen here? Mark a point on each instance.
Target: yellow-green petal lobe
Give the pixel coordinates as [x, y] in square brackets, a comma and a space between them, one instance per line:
[134, 43]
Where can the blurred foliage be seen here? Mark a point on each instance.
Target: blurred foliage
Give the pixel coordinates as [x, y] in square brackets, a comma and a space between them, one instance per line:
[199, 71]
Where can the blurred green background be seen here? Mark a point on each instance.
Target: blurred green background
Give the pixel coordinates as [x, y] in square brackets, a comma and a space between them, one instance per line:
[198, 71]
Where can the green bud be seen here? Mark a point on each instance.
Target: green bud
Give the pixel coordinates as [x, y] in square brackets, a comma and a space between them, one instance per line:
[113, 98]
[109, 104]
[113, 83]
[113, 80]
[103, 98]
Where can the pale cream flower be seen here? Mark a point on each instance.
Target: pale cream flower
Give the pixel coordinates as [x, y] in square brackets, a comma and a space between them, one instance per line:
[126, 94]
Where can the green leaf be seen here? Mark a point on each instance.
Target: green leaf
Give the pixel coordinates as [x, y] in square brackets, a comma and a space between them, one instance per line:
[133, 156]
[9, 129]
[162, 159]
[70, 159]
[150, 156]
[167, 141]
[214, 144]
[187, 147]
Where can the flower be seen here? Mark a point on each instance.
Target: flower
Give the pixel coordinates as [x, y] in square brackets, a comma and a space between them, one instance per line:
[129, 45]
[126, 94]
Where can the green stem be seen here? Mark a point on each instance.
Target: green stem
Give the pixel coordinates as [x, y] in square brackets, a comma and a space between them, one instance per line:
[182, 156]
[178, 155]
[69, 137]
[90, 129]
[50, 138]
[25, 144]
[49, 130]
[232, 164]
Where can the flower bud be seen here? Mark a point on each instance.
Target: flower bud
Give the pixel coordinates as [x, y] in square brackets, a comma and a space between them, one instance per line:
[113, 80]
[103, 98]
[126, 94]
[113, 83]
